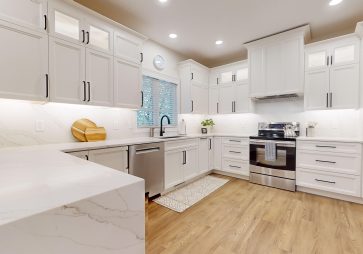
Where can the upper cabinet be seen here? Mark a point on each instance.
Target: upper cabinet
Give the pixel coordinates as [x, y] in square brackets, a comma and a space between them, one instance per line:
[128, 47]
[26, 13]
[276, 64]
[332, 73]
[229, 89]
[194, 88]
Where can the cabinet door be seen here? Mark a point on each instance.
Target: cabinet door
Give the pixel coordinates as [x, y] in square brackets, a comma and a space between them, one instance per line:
[273, 71]
[185, 90]
[213, 100]
[128, 47]
[226, 77]
[316, 89]
[217, 153]
[191, 166]
[210, 153]
[115, 158]
[99, 77]
[23, 63]
[344, 87]
[127, 80]
[345, 52]
[316, 58]
[242, 100]
[257, 72]
[226, 98]
[67, 72]
[199, 99]
[66, 22]
[26, 13]
[241, 75]
[203, 155]
[173, 168]
[84, 155]
[199, 75]
[100, 35]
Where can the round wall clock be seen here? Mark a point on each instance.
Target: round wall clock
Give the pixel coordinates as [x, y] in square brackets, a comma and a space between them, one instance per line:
[159, 62]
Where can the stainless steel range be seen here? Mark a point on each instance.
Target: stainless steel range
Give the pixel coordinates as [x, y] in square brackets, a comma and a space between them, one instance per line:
[273, 155]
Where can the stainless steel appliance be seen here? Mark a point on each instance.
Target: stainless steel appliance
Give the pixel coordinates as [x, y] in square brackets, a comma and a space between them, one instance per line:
[279, 172]
[147, 161]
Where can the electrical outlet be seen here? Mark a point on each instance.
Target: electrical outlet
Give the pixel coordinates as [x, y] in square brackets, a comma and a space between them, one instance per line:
[39, 126]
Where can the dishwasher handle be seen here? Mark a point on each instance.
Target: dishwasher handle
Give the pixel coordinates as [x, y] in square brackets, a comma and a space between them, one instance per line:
[148, 150]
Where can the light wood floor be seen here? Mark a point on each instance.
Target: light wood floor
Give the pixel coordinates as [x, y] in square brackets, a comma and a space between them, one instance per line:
[246, 218]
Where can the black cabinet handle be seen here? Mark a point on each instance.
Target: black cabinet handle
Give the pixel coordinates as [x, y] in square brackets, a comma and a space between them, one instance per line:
[84, 91]
[331, 100]
[235, 152]
[192, 75]
[323, 181]
[142, 99]
[330, 162]
[327, 61]
[217, 81]
[83, 36]
[88, 35]
[327, 100]
[45, 22]
[238, 141]
[87, 158]
[89, 91]
[192, 106]
[319, 146]
[46, 86]
[142, 57]
[217, 108]
[231, 166]
[331, 60]
[210, 144]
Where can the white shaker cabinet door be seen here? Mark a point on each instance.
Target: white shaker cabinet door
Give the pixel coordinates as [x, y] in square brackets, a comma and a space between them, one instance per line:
[173, 168]
[26, 13]
[191, 166]
[99, 77]
[127, 84]
[115, 158]
[67, 72]
[199, 99]
[317, 89]
[213, 100]
[23, 63]
[226, 99]
[128, 47]
[203, 155]
[257, 72]
[344, 87]
[217, 153]
[242, 100]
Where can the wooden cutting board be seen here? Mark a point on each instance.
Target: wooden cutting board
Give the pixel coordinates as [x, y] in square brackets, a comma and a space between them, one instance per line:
[79, 129]
[95, 134]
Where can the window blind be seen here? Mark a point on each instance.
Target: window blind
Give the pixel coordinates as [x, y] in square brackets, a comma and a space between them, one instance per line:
[160, 98]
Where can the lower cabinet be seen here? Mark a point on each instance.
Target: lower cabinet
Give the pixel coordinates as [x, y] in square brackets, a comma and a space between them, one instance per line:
[181, 162]
[115, 158]
[329, 166]
[234, 156]
[205, 154]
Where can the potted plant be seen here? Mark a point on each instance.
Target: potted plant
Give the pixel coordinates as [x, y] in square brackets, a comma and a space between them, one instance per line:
[207, 126]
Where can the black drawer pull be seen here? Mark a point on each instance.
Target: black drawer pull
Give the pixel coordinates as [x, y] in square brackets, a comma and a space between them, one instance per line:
[235, 152]
[231, 166]
[331, 162]
[323, 181]
[238, 141]
[326, 146]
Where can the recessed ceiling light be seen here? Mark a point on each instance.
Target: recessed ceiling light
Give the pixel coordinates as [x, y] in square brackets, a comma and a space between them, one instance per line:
[219, 42]
[173, 36]
[163, 1]
[335, 2]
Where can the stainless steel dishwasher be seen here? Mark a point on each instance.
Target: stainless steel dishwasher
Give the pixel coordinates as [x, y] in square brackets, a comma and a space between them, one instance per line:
[147, 161]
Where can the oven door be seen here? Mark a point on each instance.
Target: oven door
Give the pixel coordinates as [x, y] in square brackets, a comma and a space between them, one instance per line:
[285, 155]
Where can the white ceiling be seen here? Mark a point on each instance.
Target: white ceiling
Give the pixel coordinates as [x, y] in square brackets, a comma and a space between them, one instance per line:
[199, 23]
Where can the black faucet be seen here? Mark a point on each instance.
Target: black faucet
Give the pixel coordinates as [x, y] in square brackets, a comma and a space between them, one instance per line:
[162, 131]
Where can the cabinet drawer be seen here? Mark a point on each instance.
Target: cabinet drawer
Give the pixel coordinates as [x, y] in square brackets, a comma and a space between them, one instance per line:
[235, 141]
[336, 147]
[235, 151]
[337, 183]
[181, 144]
[235, 166]
[330, 162]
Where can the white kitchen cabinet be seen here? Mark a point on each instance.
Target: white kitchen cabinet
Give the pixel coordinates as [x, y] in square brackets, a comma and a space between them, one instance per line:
[210, 153]
[193, 87]
[213, 100]
[23, 63]
[235, 156]
[332, 74]
[217, 153]
[191, 163]
[128, 47]
[99, 35]
[226, 98]
[67, 72]
[276, 64]
[204, 148]
[173, 168]
[26, 13]
[115, 158]
[127, 84]
[242, 103]
[99, 77]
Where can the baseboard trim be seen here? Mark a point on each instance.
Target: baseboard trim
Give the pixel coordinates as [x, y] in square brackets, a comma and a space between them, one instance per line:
[331, 195]
[220, 172]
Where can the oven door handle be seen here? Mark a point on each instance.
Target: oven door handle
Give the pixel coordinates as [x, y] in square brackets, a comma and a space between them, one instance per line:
[278, 143]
